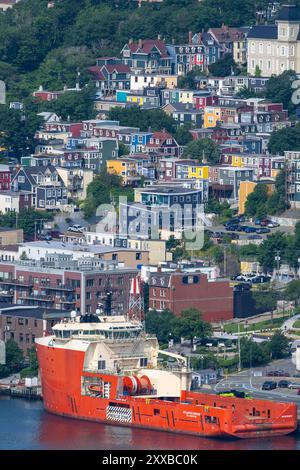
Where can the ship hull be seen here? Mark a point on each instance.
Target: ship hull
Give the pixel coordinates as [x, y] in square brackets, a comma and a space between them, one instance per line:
[63, 377]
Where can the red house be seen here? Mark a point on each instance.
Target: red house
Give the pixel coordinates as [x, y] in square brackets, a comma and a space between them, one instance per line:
[178, 291]
[5, 177]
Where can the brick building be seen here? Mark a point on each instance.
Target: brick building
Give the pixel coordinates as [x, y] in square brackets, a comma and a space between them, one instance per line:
[178, 290]
[60, 283]
[24, 324]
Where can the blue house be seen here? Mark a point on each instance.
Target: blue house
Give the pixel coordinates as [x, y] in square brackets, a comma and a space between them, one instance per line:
[139, 140]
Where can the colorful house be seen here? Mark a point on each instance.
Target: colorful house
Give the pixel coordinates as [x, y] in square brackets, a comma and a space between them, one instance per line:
[150, 56]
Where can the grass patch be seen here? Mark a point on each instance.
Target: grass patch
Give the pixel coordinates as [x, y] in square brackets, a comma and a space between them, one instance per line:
[296, 324]
[233, 327]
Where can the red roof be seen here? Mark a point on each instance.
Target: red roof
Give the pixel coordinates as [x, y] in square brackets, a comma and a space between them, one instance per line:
[96, 72]
[161, 136]
[122, 68]
[147, 45]
[225, 33]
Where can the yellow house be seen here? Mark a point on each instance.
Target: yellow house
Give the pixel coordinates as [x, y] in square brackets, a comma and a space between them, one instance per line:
[124, 167]
[135, 99]
[212, 114]
[250, 267]
[198, 172]
[246, 188]
[186, 96]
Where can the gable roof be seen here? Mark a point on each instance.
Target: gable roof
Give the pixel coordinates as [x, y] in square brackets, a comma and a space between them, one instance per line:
[145, 46]
[120, 68]
[96, 72]
[225, 34]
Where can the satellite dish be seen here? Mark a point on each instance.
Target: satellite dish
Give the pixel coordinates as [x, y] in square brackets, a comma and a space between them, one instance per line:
[73, 314]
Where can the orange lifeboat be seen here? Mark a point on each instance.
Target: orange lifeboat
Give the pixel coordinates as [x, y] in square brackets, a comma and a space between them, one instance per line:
[95, 388]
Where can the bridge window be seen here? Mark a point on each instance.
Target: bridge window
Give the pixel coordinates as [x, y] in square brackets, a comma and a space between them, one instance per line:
[101, 365]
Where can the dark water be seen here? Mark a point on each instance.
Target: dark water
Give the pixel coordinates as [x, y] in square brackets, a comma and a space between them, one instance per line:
[24, 425]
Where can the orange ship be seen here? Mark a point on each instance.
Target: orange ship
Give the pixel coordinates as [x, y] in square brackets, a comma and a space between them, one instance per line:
[106, 369]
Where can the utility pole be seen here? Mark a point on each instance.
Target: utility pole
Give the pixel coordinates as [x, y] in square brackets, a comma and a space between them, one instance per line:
[239, 348]
[225, 263]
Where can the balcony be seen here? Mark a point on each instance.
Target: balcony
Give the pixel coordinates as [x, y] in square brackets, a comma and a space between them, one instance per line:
[60, 288]
[16, 282]
[67, 301]
[38, 297]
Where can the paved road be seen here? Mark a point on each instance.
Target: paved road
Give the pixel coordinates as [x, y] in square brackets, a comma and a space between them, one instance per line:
[288, 325]
[253, 386]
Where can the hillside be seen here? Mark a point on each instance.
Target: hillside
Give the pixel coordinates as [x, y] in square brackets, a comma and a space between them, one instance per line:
[51, 46]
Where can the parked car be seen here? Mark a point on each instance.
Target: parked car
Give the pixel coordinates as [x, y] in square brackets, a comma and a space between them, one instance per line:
[231, 228]
[55, 234]
[297, 374]
[269, 385]
[243, 286]
[273, 373]
[76, 228]
[254, 237]
[265, 222]
[250, 230]
[243, 228]
[294, 385]
[283, 383]
[263, 230]
[260, 279]
[273, 224]
[45, 237]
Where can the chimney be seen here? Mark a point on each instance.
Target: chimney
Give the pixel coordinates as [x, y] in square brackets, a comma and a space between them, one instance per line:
[140, 43]
[190, 37]
[130, 41]
[173, 41]
[41, 88]
[159, 37]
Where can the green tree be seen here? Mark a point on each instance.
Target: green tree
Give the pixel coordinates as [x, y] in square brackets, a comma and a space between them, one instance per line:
[256, 201]
[183, 135]
[17, 130]
[123, 150]
[253, 354]
[27, 220]
[74, 105]
[159, 324]
[203, 149]
[154, 119]
[223, 67]
[279, 346]
[277, 202]
[292, 292]
[284, 139]
[275, 243]
[14, 356]
[265, 301]
[257, 72]
[190, 324]
[279, 89]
